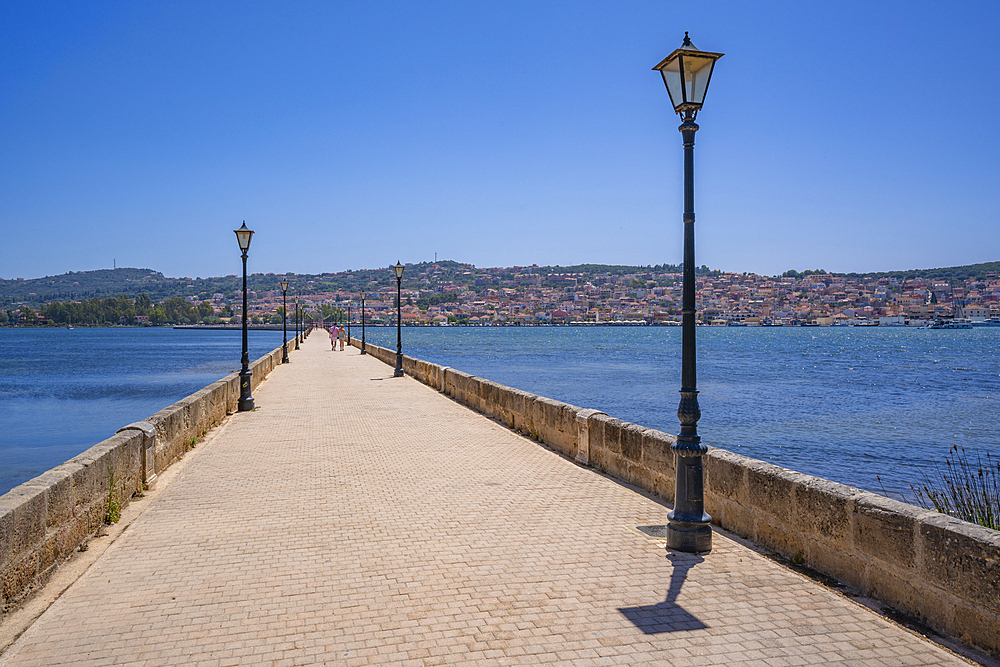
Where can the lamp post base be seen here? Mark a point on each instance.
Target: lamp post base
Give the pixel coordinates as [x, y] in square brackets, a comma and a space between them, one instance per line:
[245, 403]
[398, 373]
[689, 538]
[688, 527]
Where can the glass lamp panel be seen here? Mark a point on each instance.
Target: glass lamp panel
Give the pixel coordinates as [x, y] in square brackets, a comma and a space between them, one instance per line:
[398, 269]
[284, 285]
[697, 72]
[243, 236]
[672, 78]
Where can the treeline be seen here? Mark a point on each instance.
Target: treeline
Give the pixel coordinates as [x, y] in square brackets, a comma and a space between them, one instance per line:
[116, 310]
[952, 274]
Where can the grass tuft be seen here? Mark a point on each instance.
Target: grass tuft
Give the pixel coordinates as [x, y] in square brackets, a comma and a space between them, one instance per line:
[114, 511]
[968, 489]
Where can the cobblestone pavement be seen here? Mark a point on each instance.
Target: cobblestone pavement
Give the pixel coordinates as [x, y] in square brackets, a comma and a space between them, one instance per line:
[359, 519]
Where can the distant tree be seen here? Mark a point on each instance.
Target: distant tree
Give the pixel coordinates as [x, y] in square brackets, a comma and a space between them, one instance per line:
[177, 309]
[26, 315]
[142, 304]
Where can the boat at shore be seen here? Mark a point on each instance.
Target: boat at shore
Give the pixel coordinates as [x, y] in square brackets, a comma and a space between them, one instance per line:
[952, 324]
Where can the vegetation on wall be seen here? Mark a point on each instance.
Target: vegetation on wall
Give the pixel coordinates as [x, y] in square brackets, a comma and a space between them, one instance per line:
[967, 488]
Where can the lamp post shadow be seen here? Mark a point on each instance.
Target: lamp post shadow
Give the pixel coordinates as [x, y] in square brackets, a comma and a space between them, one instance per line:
[668, 616]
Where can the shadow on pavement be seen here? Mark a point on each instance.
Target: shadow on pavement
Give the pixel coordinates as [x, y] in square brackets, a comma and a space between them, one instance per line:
[668, 616]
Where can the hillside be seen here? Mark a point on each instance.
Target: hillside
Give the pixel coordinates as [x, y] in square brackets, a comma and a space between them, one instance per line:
[104, 283]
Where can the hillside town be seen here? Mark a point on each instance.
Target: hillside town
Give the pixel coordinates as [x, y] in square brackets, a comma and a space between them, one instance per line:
[440, 295]
[451, 293]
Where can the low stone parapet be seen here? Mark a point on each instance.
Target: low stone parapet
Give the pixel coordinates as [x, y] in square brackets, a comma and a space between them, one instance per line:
[932, 566]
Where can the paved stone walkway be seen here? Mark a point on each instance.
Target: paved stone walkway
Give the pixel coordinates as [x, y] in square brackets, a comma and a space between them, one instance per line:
[359, 519]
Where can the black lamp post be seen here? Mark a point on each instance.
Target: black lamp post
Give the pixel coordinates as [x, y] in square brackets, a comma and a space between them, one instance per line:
[399, 337]
[686, 73]
[245, 404]
[363, 324]
[297, 332]
[349, 323]
[284, 322]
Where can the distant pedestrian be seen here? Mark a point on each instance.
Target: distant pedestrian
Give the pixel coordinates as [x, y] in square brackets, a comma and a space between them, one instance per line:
[333, 337]
[342, 335]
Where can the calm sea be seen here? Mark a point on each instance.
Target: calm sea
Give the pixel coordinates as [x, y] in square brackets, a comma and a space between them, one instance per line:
[843, 403]
[64, 390]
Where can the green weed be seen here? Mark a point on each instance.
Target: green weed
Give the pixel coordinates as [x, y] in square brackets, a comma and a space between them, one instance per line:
[968, 489]
[114, 511]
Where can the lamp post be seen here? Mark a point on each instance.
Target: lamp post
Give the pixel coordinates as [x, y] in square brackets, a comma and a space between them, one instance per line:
[349, 323]
[245, 404]
[363, 324]
[297, 332]
[686, 73]
[284, 322]
[399, 338]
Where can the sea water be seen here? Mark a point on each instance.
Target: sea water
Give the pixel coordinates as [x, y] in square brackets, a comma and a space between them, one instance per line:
[871, 407]
[64, 390]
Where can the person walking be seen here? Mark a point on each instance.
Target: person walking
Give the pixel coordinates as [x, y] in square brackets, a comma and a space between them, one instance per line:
[342, 335]
[333, 336]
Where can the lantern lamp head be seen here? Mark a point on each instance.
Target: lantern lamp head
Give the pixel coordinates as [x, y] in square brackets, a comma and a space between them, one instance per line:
[399, 270]
[243, 236]
[284, 285]
[686, 73]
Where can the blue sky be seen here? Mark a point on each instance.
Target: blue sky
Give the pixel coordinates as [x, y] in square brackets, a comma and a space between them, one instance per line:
[850, 136]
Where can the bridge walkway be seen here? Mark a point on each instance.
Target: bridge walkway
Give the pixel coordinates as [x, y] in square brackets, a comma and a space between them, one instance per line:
[361, 519]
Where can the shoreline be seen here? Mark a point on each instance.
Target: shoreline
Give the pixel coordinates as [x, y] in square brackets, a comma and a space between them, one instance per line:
[584, 325]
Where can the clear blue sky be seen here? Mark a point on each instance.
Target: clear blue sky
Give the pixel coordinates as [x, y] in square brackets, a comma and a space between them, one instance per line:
[850, 136]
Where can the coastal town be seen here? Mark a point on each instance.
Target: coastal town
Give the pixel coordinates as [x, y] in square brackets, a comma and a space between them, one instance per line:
[449, 293]
[437, 294]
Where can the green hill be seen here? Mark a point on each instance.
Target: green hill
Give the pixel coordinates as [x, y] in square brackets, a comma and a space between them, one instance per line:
[105, 283]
